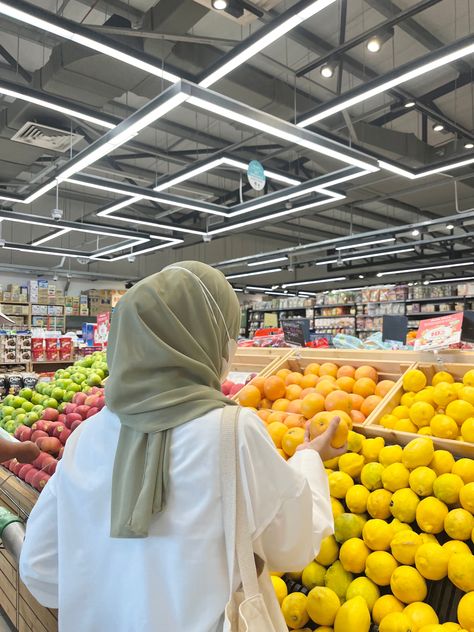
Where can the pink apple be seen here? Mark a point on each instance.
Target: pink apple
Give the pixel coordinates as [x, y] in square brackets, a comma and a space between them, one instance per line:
[82, 411]
[79, 398]
[50, 466]
[26, 434]
[30, 475]
[100, 403]
[64, 436]
[70, 408]
[18, 431]
[62, 418]
[91, 401]
[60, 455]
[226, 386]
[235, 389]
[92, 412]
[38, 434]
[12, 465]
[24, 469]
[52, 445]
[39, 480]
[76, 424]
[71, 417]
[44, 425]
[51, 414]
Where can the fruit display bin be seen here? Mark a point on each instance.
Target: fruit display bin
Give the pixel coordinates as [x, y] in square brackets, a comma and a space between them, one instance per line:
[258, 360]
[372, 428]
[25, 613]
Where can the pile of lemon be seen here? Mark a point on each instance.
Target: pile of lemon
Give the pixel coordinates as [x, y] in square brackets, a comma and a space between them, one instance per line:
[393, 508]
[443, 409]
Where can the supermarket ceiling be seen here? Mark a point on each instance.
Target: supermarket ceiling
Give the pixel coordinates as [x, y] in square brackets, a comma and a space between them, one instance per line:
[126, 129]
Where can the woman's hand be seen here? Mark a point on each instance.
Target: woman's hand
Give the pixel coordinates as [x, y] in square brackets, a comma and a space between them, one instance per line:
[322, 443]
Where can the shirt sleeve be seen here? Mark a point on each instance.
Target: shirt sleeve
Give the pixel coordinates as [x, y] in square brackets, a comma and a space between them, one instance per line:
[288, 503]
[39, 555]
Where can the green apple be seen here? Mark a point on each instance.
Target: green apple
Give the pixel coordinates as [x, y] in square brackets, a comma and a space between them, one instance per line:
[7, 411]
[17, 402]
[68, 396]
[26, 393]
[28, 406]
[58, 393]
[8, 400]
[37, 409]
[78, 378]
[51, 403]
[18, 411]
[37, 398]
[20, 419]
[31, 418]
[10, 426]
[74, 388]
[94, 380]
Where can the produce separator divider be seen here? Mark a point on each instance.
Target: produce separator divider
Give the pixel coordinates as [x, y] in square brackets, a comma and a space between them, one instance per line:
[257, 359]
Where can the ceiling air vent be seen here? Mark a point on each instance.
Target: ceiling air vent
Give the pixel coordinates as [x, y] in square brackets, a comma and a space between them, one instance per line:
[46, 137]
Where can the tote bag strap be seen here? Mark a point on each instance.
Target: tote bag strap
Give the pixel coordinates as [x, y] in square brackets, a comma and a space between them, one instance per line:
[237, 534]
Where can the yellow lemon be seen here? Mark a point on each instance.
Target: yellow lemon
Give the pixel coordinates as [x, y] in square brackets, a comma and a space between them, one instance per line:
[405, 425]
[447, 487]
[426, 395]
[466, 605]
[444, 394]
[322, 605]
[332, 464]
[395, 622]
[408, 585]
[408, 399]
[328, 552]
[395, 476]
[459, 524]
[356, 499]
[401, 412]
[456, 546]
[466, 497]
[467, 394]
[337, 507]
[384, 606]
[351, 464]
[404, 545]
[377, 534]
[347, 526]
[339, 483]
[404, 504]
[378, 504]
[444, 427]
[442, 462]
[421, 481]
[442, 376]
[388, 421]
[421, 413]
[414, 380]
[451, 627]
[432, 627]
[465, 469]
[380, 566]
[294, 611]
[371, 449]
[338, 579]
[313, 575]
[461, 571]
[365, 588]
[353, 615]
[371, 476]
[430, 515]
[354, 441]
[321, 628]
[460, 410]
[428, 537]
[426, 430]
[390, 454]
[400, 526]
[280, 588]
[431, 560]
[418, 452]
[420, 614]
[467, 430]
[468, 380]
[353, 555]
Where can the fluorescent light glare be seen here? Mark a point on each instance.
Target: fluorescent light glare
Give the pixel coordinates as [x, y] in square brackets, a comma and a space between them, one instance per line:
[369, 255]
[415, 232]
[409, 104]
[446, 265]
[468, 145]
[219, 5]
[265, 261]
[257, 272]
[367, 243]
[43, 240]
[342, 278]
[450, 227]
[456, 280]
[438, 127]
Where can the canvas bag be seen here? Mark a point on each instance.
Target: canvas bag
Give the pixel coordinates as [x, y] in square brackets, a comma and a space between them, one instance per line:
[253, 607]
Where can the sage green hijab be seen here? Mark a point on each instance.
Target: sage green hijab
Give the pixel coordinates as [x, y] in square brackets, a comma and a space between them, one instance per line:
[167, 348]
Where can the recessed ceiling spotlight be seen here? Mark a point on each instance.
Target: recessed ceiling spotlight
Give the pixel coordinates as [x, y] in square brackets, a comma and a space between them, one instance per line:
[426, 282]
[361, 276]
[219, 5]
[469, 145]
[438, 127]
[375, 43]
[450, 227]
[410, 104]
[415, 232]
[327, 71]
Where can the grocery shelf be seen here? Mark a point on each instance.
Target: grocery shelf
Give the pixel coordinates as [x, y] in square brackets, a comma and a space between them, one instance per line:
[431, 314]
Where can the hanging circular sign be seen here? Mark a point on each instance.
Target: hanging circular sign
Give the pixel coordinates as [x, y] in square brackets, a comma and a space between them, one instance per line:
[256, 175]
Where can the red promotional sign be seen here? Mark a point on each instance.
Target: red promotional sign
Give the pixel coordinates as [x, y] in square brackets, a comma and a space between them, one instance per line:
[439, 333]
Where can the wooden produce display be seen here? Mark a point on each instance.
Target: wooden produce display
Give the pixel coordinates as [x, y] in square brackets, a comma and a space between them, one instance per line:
[257, 359]
[25, 613]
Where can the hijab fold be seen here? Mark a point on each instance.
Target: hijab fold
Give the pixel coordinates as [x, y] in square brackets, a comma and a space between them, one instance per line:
[167, 348]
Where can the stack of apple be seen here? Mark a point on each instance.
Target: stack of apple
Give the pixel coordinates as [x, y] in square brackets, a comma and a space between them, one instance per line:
[50, 433]
[230, 388]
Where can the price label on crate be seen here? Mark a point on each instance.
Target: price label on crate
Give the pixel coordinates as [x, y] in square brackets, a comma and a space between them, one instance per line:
[439, 333]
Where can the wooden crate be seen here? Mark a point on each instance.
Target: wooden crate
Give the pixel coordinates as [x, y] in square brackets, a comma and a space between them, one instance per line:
[255, 359]
[25, 613]
[372, 427]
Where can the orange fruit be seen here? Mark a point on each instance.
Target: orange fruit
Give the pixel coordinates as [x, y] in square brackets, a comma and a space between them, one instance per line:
[320, 422]
[274, 388]
[250, 396]
[264, 414]
[294, 378]
[294, 421]
[345, 384]
[328, 368]
[370, 403]
[307, 391]
[293, 392]
[291, 440]
[276, 416]
[295, 406]
[277, 431]
[345, 371]
[357, 417]
[282, 453]
[282, 373]
[265, 403]
[356, 400]
[312, 368]
[365, 386]
[309, 381]
[329, 378]
[338, 400]
[340, 436]
[324, 387]
[259, 382]
[366, 371]
[384, 387]
[312, 404]
[280, 404]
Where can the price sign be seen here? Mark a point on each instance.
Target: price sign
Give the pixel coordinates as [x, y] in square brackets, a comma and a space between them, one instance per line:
[101, 333]
[439, 333]
[296, 331]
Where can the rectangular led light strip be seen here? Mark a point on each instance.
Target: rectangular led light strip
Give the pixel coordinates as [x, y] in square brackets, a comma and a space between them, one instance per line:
[256, 287]
[262, 42]
[422, 174]
[452, 280]
[109, 251]
[171, 242]
[422, 69]
[56, 235]
[446, 265]
[94, 43]
[143, 222]
[265, 261]
[247, 274]
[280, 294]
[366, 243]
[367, 256]
[328, 280]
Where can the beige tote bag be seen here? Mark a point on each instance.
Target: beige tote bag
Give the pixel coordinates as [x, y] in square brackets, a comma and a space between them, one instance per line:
[253, 607]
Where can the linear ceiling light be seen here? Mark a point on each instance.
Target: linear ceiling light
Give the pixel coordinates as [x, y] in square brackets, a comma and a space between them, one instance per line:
[446, 265]
[108, 251]
[246, 274]
[95, 44]
[265, 261]
[262, 39]
[136, 253]
[143, 222]
[455, 280]
[429, 172]
[280, 294]
[56, 235]
[57, 108]
[369, 255]
[367, 243]
[460, 50]
[328, 280]
[272, 175]
[256, 287]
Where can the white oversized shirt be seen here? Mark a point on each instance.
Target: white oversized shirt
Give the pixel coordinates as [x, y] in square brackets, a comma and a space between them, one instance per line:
[177, 578]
